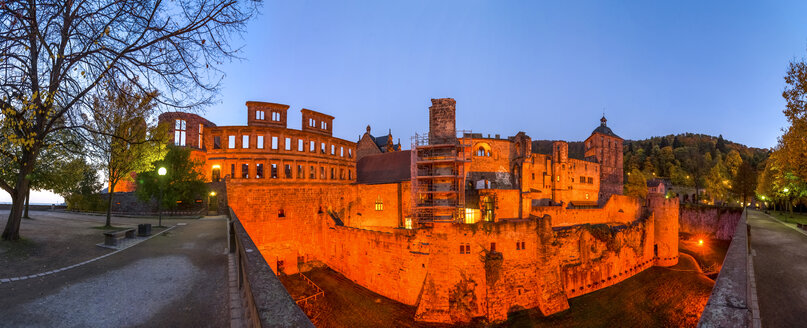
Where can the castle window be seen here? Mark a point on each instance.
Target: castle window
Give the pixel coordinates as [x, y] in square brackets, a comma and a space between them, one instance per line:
[350, 153]
[281, 213]
[333, 176]
[492, 247]
[287, 171]
[217, 142]
[179, 132]
[232, 170]
[590, 180]
[582, 179]
[465, 248]
[341, 174]
[324, 125]
[518, 245]
[201, 128]
[244, 171]
[349, 174]
[333, 150]
[258, 171]
[259, 115]
[470, 216]
[300, 145]
[322, 173]
[274, 171]
[523, 245]
[274, 142]
[259, 144]
[244, 141]
[288, 143]
[312, 122]
[231, 142]
[322, 148]
[408, 223]
[533, 176]
[341, 151]
[300, 174]
[311, 172]
[275, 116]
[379, 204]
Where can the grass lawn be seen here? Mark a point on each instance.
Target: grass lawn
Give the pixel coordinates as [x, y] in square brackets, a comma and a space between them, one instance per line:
[785, 217]
[657, 297]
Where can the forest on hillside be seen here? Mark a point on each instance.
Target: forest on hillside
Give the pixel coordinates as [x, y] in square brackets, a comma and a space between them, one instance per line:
[721, 168]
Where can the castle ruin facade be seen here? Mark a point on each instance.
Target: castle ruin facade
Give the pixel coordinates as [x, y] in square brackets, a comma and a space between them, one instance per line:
[460, 225]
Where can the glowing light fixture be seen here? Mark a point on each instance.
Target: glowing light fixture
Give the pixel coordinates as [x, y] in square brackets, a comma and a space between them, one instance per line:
[216, 166]
[700, 242]
[785, 190]
[161, 171]
[212, 193]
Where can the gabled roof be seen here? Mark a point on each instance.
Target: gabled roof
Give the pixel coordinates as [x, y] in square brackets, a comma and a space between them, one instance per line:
[384, 168]
[381, 143]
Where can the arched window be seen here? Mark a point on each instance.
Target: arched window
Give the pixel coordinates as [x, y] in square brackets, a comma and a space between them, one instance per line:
[482, 150]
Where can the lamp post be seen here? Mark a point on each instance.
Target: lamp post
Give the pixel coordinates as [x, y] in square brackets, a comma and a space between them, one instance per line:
[161, 172]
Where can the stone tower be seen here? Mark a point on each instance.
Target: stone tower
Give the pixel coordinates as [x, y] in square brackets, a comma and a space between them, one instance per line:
[666, 212]
[560, 158]
[442, 121]
[605, 147]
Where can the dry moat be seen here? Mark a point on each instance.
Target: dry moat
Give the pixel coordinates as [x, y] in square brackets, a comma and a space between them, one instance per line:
[656, 297]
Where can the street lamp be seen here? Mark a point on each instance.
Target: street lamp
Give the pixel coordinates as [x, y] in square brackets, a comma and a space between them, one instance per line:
[161, 172]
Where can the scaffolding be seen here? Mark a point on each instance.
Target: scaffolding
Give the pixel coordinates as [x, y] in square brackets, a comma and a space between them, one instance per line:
[438, 172]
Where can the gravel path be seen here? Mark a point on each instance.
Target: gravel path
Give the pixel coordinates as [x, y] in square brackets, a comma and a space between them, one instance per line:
[177, 279]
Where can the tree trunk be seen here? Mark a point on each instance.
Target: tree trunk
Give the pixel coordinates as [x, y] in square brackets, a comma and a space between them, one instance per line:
[109, 206]
[27, 203]
[12, 230]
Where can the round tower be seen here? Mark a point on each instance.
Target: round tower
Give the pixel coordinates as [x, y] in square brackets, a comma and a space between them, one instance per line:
[665, 212]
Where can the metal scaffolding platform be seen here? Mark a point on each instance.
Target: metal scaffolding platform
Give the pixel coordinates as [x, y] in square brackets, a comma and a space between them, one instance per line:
[438, 172]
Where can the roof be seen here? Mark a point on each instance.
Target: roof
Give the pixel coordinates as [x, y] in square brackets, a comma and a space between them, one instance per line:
[381, 143]
[604, 129]
[384, 168]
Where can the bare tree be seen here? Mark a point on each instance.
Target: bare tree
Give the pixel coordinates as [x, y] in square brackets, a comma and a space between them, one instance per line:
[54, 54]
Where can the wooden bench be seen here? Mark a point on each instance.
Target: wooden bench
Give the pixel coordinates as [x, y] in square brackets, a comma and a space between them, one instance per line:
[111, 237]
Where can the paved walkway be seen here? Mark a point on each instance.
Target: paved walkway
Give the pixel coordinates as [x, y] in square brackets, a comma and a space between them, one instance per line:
[780, 266]
[177, 279]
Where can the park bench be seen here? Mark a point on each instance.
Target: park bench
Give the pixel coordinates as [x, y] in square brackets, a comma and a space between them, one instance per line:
[111, 237]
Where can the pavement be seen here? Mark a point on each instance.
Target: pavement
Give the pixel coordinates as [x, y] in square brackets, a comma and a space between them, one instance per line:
[176, 279]
[780, 266]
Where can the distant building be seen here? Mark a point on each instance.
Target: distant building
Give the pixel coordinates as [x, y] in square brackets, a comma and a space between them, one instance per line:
[369, 145]
[657, 186]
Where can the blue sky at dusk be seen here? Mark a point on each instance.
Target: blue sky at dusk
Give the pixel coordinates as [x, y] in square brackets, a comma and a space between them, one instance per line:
[548, 69]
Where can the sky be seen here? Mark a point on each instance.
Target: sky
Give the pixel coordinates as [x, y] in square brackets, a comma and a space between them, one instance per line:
[549, 68]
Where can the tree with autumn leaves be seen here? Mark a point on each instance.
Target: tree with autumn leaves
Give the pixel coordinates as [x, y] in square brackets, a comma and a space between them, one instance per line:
[122, 138]
[54, 56]
[784, 179]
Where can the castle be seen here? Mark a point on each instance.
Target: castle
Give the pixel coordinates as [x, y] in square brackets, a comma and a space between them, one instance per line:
[460, 225]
